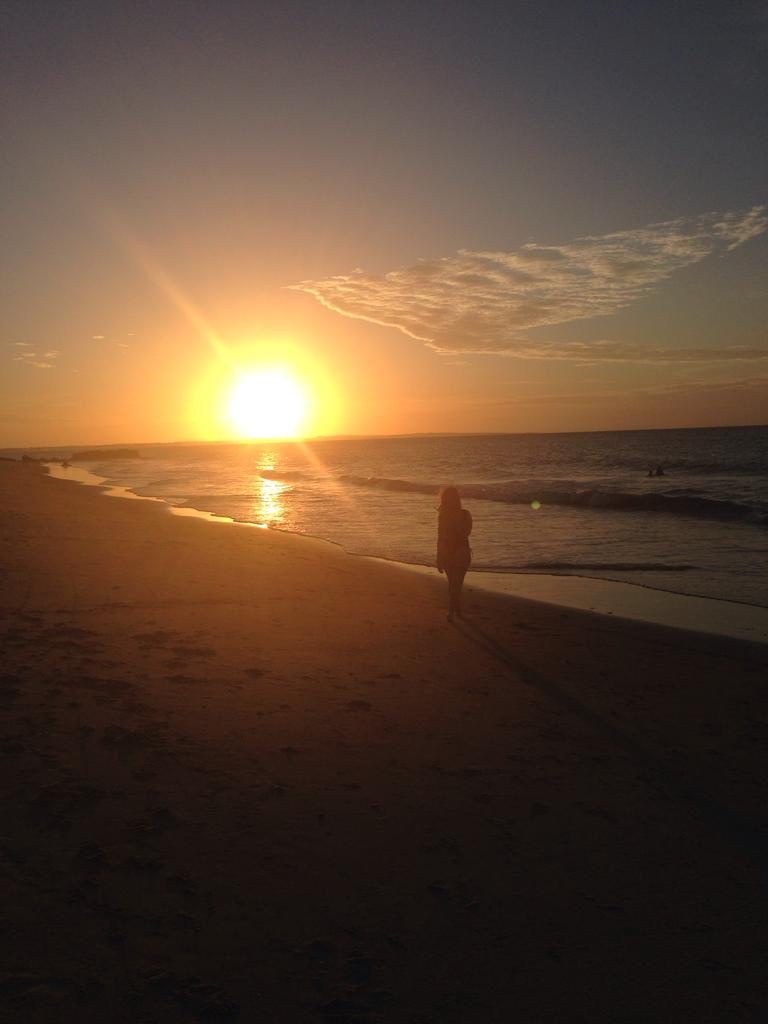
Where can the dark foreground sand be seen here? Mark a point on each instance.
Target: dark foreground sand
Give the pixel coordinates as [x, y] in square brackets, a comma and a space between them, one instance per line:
[247, 777]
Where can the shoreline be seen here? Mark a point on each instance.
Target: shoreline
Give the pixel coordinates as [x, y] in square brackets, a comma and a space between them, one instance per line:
[247, 776]
[631, 601]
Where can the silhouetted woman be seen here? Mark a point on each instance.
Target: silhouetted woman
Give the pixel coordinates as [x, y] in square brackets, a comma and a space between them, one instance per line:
[454, 525]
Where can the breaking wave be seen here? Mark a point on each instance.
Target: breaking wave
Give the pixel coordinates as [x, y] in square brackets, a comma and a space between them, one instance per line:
[284, 475]
[573, 495]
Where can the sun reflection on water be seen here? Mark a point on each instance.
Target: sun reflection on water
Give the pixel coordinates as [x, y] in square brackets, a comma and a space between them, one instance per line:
[269, 506]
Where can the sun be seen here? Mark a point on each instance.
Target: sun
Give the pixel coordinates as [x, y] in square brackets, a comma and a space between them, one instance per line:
[268, 403]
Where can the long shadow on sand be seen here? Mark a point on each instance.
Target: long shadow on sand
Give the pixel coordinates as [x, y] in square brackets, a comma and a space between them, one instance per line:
[749, 834]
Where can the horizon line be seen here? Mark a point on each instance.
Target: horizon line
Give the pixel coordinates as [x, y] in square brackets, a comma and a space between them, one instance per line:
[372, 437]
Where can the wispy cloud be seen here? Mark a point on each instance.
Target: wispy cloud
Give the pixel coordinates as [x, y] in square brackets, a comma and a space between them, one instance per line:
[605, 351]
[42, 360]
[486, 301]
[744, 387]
[113, 340]
[740, 387]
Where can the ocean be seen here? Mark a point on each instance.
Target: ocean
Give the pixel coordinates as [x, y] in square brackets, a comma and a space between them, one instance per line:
[555, 504]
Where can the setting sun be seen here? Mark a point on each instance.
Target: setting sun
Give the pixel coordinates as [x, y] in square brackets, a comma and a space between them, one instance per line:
[268, 404]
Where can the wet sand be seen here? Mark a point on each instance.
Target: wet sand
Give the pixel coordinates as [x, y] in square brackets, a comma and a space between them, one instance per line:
[248, 777]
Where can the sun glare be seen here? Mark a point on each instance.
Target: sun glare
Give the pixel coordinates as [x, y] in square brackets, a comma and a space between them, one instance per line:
[268, 404]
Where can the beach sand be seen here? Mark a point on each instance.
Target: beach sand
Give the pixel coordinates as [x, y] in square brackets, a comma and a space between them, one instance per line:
[246, 776]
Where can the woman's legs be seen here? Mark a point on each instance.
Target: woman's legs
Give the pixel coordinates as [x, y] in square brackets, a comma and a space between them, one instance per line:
[455, 582]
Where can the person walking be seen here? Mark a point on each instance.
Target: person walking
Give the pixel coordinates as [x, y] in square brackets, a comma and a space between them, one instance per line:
[454, 525]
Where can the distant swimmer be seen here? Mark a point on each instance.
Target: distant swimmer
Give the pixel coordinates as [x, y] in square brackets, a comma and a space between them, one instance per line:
[660, 471]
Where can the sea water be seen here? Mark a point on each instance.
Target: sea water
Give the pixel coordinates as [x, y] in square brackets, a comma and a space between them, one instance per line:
[556, 504]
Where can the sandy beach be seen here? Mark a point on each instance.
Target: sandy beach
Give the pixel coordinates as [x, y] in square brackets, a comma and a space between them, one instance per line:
[248, 777]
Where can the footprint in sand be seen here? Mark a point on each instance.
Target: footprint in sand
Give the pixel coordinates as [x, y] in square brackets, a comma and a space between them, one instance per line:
[183, 680]
[359, 969]
[28, 617]
[131, 739]
[70, 632]
[18, 637]
[65, 798]
[182, 884]
[358, 705]
[98, 684]
[158, 638]
[183, 655]
[90, 857]
[46, 991]
[203, 1002]
[157, 822]
[135, 707]
[70, 638]
[9, 690]
[194, 652]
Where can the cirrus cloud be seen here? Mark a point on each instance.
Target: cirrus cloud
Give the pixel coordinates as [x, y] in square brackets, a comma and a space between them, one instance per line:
[479, 301]
[29, 357]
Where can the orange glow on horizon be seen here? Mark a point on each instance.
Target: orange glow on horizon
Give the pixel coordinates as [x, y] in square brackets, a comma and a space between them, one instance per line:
[267, 391]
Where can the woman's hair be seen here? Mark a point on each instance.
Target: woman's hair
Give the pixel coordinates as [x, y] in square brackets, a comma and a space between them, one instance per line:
[449, 499]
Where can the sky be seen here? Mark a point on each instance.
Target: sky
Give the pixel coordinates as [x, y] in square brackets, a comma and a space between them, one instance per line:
[435, 217]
